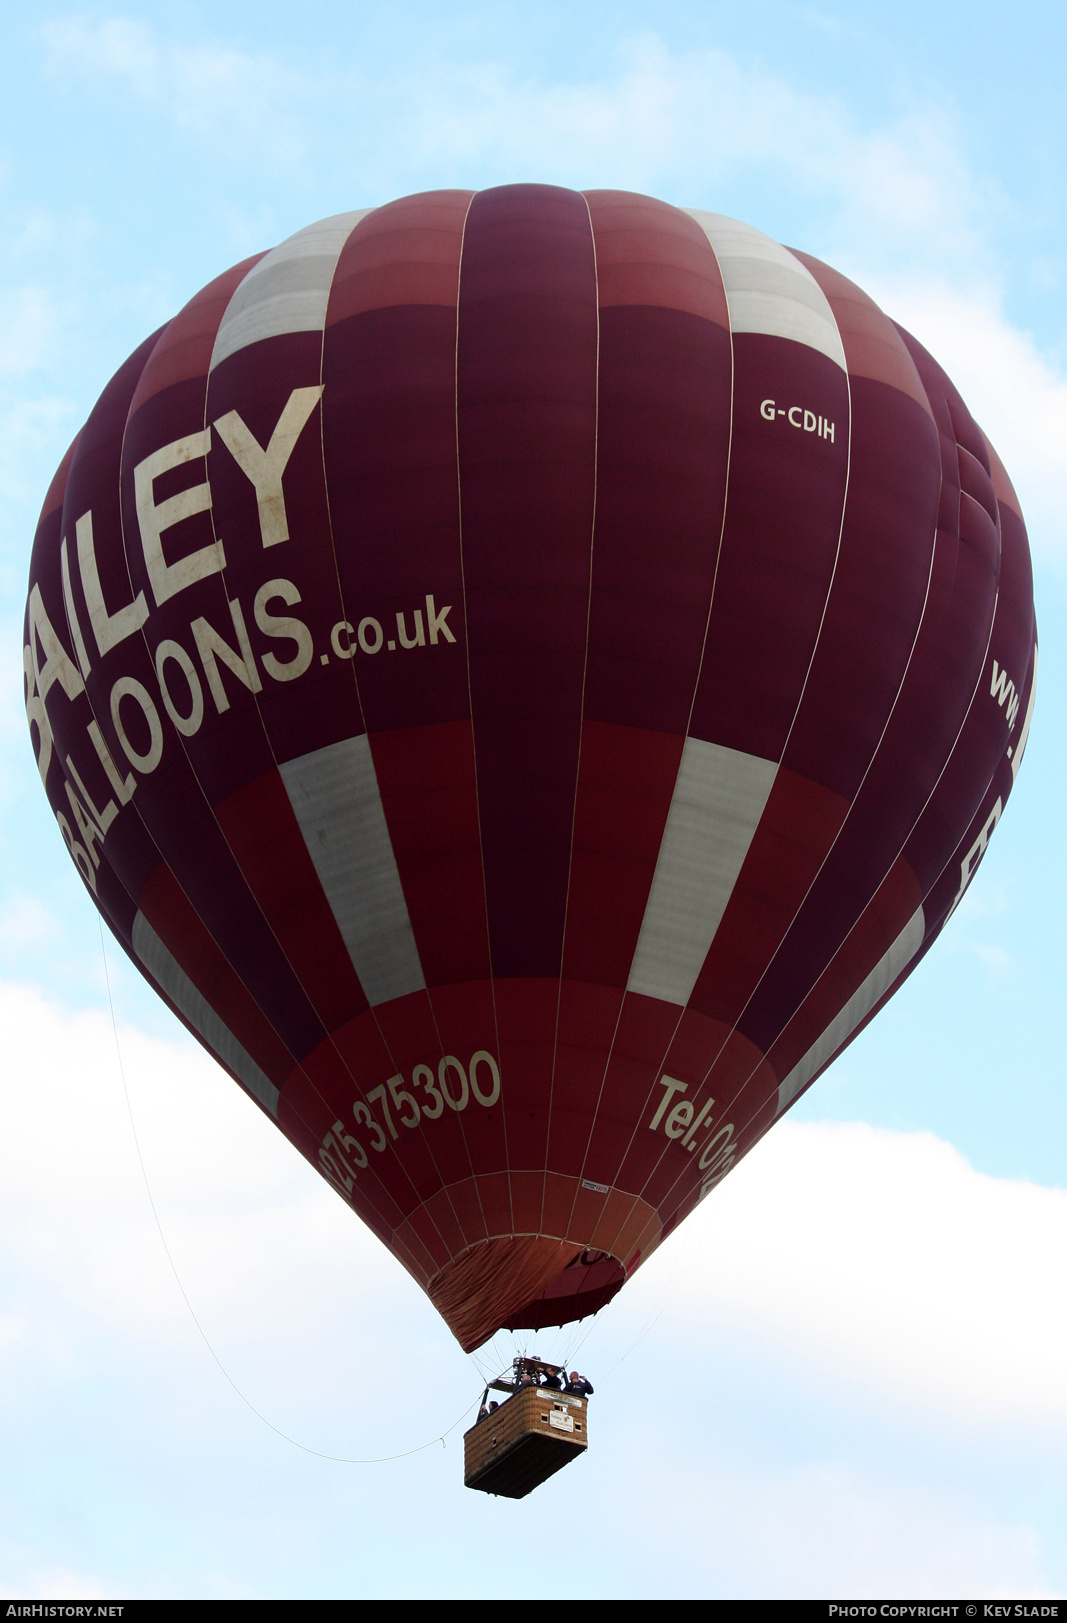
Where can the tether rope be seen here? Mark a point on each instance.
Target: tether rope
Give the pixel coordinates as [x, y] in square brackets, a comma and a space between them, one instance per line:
[576, 1339]
[337, 1459]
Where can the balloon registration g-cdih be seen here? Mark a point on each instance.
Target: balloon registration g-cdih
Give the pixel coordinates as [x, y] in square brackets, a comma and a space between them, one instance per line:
[525, 675]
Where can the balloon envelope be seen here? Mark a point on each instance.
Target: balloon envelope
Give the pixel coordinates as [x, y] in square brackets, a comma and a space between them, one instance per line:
[526, 675]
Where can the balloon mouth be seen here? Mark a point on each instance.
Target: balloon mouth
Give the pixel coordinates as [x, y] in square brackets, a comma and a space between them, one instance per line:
[522, 1283]
[585, 1285]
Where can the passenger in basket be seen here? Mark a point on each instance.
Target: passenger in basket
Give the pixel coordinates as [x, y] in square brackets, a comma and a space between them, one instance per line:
[554, 1382]
[578, 1386]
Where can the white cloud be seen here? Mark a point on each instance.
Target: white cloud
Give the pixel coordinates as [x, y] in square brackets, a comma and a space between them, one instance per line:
[30, 429]
[11, 1330]
[826, 1529]
[874, 1270]
[258, 1240]
[888, 196]
[29, 328]
[885, 1259]
[25, 923]
[241, 102]
[1017, 395]
[59, 1583]
[996, 959]
[700, 117]
[656, 118]
[882, 1258]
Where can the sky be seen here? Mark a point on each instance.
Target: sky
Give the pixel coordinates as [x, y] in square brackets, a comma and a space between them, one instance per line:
[843, 1376]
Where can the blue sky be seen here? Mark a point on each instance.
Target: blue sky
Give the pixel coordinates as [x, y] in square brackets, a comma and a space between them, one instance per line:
[845, 1378]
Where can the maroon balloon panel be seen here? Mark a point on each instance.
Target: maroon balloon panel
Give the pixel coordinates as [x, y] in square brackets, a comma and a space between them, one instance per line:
[526, 675]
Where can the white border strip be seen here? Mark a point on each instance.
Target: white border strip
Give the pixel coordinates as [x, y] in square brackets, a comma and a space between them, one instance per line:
[335, 796]
[289, 289]
[165, 968]
[768, 290]
[858, 1006]
[718, 801]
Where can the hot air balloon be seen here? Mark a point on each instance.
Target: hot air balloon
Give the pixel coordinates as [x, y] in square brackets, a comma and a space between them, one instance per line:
[525, 675]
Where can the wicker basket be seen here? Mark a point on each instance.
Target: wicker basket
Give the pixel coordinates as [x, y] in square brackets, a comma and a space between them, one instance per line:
[531, 1436]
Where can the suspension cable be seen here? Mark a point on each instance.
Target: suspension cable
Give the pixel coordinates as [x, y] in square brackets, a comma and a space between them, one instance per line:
[337, 1459]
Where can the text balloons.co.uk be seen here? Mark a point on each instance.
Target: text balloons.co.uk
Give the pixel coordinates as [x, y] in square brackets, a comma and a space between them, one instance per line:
[526, 675]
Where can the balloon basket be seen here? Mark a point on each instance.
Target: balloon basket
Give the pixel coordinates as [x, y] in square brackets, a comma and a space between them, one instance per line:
[528, 1439]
